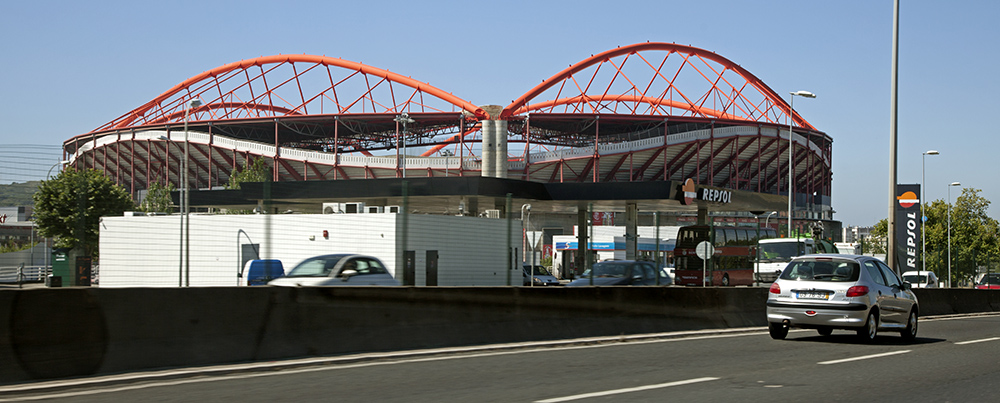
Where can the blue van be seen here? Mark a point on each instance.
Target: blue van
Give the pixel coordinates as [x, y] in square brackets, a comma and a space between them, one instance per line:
[261, 271]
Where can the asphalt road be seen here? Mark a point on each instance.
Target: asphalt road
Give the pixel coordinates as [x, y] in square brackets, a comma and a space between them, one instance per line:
[952, 360]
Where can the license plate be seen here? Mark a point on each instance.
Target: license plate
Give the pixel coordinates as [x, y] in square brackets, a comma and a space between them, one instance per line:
[812, 295]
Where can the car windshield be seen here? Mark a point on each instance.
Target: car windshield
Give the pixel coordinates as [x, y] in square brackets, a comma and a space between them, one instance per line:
[990, 279]
[315, 267]
[539, 271]
[821, 270]
[608, 269]
[782, 251]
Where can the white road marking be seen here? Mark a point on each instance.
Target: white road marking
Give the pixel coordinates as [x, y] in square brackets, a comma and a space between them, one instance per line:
[977, 341]
[864, 357]
[626, 390]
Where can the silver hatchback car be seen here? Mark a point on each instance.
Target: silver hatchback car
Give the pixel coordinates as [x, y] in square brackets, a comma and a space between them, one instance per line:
[827, 292]
[337, 270]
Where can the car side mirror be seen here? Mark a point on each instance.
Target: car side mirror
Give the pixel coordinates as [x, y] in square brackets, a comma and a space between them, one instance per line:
[906, 285]
[347, 274]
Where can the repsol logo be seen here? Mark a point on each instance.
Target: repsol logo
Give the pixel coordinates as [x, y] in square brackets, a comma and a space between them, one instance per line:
[715, 195]
[911, 240]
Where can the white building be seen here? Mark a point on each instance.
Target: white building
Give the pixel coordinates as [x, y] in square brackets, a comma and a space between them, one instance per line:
[854, 234]
[138, 250]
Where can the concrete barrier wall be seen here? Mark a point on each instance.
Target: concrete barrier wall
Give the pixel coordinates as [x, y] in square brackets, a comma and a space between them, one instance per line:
[57, 333]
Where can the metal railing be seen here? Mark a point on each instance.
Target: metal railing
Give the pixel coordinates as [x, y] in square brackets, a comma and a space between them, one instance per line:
[22, 274]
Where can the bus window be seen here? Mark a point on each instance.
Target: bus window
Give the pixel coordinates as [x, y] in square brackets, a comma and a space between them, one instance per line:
[720, 236]
[741, 234]
[731, 238]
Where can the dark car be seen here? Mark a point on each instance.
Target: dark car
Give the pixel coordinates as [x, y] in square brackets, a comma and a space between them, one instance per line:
[622, 272]
[538, 276]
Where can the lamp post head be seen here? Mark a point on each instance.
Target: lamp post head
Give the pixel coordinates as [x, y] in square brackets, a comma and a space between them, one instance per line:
[403, 118]
[955, 184]
[806, 94]
[194, 103]
[931, 152]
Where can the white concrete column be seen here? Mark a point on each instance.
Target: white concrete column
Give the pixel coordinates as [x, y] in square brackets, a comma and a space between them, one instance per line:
[631, 231]
[500, 158]
[489, 149]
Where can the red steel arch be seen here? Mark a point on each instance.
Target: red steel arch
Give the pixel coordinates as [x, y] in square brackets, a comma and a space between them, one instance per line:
[233, 91]
[759, 104]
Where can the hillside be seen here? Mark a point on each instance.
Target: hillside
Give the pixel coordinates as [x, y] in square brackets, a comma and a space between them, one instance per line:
[18, 194]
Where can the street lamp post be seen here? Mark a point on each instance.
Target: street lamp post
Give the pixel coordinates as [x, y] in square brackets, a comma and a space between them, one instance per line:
[923, 216]
[791, 172]
[403, 118]
[447, 161]
[180, 234]
[60, 163]
[186, 200]
[526, 219]
[768, 218]
[949, 229]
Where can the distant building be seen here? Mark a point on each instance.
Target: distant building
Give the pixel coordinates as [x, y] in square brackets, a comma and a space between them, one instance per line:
[853, 234]
[15, 224]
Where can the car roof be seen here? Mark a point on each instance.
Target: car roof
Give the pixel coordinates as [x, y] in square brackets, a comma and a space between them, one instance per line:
[834, 256]
[625, 261]
[337, 255]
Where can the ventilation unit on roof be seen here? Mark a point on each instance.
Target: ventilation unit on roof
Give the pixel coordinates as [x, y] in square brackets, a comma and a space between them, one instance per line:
[333, 208]
[354, 208]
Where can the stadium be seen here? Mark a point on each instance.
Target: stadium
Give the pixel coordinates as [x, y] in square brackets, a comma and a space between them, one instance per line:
[627, 119]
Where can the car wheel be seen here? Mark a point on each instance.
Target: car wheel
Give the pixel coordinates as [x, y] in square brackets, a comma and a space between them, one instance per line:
[825, 331]
[868, 331]
[910, 333]
[778, 331]
[725, 280]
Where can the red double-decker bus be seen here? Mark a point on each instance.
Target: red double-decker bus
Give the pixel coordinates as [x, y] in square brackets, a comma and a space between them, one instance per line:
[733, 261]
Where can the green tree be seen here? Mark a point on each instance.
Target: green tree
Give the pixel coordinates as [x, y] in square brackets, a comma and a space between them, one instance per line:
[874, 243]
[69, 207]
[157, 199]
[975, 236]
[258, 171]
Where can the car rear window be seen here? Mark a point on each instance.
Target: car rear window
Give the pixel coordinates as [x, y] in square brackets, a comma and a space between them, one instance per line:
[824, 270]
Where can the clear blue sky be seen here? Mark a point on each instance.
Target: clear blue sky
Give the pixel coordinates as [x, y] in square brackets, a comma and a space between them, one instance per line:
[70, 66]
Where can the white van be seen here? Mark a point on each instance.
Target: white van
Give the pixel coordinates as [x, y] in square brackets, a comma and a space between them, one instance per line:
[921, 278]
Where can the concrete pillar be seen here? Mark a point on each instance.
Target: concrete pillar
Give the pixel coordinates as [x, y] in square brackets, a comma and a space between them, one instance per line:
[500, 136]
[703, 215]
[631, 231]
[489, 149]
[582, 241]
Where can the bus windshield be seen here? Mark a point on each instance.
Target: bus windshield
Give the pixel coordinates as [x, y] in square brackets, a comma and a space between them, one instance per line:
[780, 251]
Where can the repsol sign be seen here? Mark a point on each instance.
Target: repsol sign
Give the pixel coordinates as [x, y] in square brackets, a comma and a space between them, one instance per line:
[715, 195]
[907, 226]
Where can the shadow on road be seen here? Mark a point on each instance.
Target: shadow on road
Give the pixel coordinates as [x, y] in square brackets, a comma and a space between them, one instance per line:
[888, 339]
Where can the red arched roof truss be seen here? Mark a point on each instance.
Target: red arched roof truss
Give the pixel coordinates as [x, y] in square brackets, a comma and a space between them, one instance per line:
[292, 85]
[698, 82]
